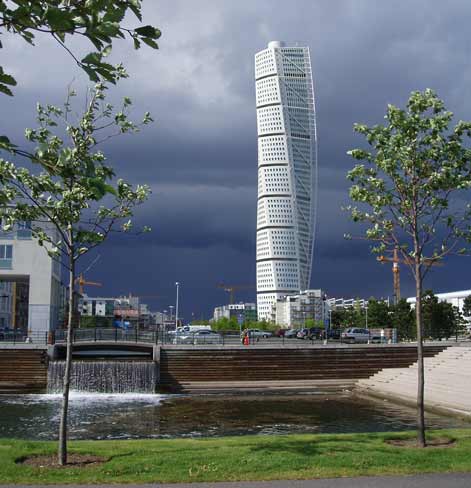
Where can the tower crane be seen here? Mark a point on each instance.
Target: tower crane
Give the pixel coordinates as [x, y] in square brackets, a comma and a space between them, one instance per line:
[396, 260]
[81, 281]
[231, 289]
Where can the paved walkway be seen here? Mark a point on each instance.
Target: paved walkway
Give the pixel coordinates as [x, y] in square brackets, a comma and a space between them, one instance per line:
[453, 480]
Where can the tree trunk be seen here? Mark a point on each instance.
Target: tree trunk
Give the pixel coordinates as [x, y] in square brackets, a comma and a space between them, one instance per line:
[420, 356]
[62, 457]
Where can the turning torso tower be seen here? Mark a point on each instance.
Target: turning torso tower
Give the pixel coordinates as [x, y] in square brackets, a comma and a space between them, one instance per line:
[287, 173]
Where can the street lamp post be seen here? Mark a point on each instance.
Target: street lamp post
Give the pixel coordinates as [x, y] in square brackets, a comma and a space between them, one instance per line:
[177, 284]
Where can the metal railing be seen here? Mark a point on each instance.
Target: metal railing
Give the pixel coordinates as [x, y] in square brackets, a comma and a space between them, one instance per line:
[108, 335]
[24, 337]
[136, 336]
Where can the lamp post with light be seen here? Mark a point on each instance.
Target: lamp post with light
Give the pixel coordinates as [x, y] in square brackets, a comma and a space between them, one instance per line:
[177, 284]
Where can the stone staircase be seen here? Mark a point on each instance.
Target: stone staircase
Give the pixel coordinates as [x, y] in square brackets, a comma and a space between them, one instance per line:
[447, 382]
[309, 369]
[23, 371]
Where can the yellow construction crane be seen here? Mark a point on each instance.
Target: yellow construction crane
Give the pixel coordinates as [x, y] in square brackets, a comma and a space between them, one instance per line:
[396, 273]
[231, 289]
[395, 260]
[82, 282]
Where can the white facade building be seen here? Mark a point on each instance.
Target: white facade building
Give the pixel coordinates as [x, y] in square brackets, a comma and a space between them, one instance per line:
[242, 311]
[27, 266]
[96, 306]
[456, 298]
[294, 310]
[287, 173]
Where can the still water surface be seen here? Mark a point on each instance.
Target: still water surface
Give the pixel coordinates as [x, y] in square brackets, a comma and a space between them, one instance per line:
[130, 416]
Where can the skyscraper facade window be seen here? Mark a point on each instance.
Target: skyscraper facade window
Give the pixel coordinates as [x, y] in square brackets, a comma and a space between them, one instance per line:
[287, 173]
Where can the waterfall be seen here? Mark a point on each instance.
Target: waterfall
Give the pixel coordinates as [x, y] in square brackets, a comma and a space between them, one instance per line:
[104, 376]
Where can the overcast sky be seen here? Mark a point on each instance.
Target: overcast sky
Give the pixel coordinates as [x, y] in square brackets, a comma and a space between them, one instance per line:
[200, 155]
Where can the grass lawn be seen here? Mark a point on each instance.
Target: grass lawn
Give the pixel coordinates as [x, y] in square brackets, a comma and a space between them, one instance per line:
[239, 458]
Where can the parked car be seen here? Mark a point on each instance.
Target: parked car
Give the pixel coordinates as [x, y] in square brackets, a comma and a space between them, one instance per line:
[201, 337]
[376, 339]
[255, 333]
[316, 333]
[356, 335]
[280, 332]
[291, 333]
[334, 333]
[302, 333]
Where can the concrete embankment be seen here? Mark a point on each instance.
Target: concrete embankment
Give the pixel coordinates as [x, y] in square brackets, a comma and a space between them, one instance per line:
[242, 369]
[23, 369]
[216, 369]
[447, 380]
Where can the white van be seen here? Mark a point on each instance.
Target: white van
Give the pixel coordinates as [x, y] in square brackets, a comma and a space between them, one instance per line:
[192, 328]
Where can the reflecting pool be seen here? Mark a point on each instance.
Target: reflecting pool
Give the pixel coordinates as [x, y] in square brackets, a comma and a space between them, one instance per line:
[136, 416]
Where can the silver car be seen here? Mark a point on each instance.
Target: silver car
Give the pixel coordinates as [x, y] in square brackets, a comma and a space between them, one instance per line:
[200, 337]
[255, 333]
[356, 335]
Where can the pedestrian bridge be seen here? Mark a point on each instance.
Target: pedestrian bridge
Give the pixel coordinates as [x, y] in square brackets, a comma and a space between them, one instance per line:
[107, 343]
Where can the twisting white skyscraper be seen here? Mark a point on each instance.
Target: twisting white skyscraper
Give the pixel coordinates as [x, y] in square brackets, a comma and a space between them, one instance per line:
[287, 173]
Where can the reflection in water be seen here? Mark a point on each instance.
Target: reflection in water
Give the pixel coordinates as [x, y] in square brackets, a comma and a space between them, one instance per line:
[132, 416]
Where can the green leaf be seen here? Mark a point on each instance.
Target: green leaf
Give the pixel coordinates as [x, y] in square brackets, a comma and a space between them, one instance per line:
[5, 143]
[7, 79]
[107, 50]
[92, 58]
[59, 20]
[91, 73]
[136, 9]
[148, 31]
[115, 14]
[150, 43]
[6, 90]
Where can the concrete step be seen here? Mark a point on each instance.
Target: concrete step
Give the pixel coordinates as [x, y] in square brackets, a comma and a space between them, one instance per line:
[442, 383]
[453, 403]
[438, 377]
[438, 393]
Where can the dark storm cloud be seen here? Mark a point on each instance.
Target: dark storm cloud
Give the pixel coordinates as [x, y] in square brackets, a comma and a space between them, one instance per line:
[200, 155]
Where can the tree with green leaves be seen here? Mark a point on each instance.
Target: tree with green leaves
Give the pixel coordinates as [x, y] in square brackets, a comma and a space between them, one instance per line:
[441, 319]
[467, 306]
[100, 22]
[409, 190]
[431, 314]
[74, 202]
[403, 320]
[224, 324]
[348, 317]
[459, 323]
[378, 314]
